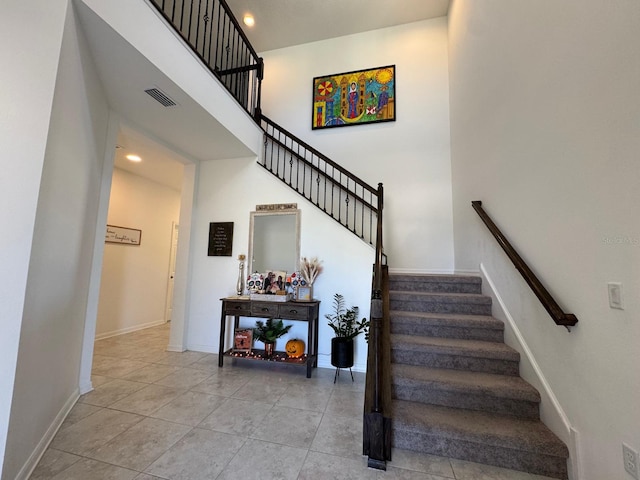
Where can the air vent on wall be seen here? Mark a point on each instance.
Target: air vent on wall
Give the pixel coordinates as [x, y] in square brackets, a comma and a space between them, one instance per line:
[161, 97]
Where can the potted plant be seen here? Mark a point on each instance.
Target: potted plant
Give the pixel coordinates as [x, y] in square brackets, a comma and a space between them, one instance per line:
[269, 332]
[345, 324]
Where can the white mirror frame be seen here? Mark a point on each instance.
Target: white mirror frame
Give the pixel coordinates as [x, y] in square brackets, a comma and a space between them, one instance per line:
[296, 253]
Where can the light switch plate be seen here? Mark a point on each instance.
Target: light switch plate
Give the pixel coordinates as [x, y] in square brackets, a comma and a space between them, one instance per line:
[615, 295]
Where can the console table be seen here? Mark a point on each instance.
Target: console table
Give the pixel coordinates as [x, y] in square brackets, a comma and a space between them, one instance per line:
[292, 310]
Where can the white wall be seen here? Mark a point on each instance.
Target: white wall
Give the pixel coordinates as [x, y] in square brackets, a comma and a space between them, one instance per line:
[55, 302]
[544, 128]
[135, 278]
[26, 109]
[227, 191]
[410, 156]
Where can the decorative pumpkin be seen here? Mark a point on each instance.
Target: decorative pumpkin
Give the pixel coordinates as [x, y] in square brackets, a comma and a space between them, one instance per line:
[294, 348]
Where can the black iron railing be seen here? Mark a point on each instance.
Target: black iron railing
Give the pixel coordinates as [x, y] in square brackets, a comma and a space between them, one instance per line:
[215, 36]
[333, 189]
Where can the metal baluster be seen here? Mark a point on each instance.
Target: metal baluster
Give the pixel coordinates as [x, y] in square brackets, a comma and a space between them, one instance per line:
[198, 28]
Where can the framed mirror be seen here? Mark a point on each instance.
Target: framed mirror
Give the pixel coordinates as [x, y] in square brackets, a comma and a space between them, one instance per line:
[274, 241]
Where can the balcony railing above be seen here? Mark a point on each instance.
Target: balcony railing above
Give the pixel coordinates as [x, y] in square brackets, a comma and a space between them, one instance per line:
[215, 36]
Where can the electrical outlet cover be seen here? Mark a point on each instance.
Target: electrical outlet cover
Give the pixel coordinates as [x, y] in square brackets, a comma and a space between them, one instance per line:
[630, 457]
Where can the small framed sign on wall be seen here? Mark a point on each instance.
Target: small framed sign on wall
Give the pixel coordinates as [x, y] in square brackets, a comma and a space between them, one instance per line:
[123, 235]
[220, 239]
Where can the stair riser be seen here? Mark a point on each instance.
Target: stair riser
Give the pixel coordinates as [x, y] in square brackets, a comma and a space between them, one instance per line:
[483, 334]
[473, 401]
[478, 452]
[433, 287]
[439, 307]
[456, 362]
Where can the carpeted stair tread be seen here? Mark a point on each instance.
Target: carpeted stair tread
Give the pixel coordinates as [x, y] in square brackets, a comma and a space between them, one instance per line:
[447, 319]
[436, 283]
[460, 381]
[440, 297]
[454, 346]
[486, 429]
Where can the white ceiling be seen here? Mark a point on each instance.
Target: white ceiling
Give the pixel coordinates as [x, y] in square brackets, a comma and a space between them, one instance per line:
[163, 136]
[283, 23]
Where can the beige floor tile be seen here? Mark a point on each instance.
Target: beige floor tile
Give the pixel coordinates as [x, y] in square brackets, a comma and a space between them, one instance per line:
[223, 385]
[260, 391]
[181, 359]
[190, 408]
[184, 378]
[78, 412]
[53, 462]
[208, 363]
[87, 469]
[420, 462]
[97, 380]
[201, 454]
[94, 431]
[140, 445]
[111, 392]
[238, 417]
[288, 426]
[115, 367]
[347, 403]
[476, 471]
[259, 460]
[393, 473]
[151, 373]
[322, 466]
[340, 436]
[144, 476]
[148, 399]
[305, 397]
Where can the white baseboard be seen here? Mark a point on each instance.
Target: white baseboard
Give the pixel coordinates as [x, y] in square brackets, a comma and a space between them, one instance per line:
[135, 328]
[324, 361]
[570, 433]
[32, 462]
[182, 348]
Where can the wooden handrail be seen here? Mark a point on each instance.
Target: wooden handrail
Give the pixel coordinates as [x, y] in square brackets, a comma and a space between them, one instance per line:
[548, 302]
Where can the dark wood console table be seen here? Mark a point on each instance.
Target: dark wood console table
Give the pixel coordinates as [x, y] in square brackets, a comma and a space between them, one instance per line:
[300, 311]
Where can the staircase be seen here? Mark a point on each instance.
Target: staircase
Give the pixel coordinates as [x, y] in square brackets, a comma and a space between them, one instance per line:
[455, 384]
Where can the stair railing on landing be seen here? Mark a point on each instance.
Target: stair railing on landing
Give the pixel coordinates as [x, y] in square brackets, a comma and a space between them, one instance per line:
[548, 302]
[337, 192]
[215, 36]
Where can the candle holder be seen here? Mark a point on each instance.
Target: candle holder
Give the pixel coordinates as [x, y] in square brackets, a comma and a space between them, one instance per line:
[240, 282]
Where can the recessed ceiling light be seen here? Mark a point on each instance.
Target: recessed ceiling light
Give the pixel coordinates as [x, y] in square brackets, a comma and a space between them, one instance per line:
[134, 158]
[248, 20]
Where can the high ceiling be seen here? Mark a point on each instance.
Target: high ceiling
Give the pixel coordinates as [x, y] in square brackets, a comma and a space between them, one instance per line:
[156, 133]
[283, 23]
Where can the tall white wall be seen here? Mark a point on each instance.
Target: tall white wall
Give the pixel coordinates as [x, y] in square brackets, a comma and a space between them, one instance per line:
[544, 129]
[227, 191]
[46, 382]
[134, 278]
[24, 123]
[410, 156]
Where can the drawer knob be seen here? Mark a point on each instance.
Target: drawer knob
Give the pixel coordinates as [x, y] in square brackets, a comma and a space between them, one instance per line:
[238, 307]
[293, 311]
[265, 309]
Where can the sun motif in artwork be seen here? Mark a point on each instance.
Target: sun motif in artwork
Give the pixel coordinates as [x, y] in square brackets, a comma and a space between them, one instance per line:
[325, 88]
[384, 76]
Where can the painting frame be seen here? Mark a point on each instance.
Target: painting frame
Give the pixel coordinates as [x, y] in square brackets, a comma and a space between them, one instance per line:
[357, 97]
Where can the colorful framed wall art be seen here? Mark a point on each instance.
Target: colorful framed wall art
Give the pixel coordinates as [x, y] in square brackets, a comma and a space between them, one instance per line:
[354, 98]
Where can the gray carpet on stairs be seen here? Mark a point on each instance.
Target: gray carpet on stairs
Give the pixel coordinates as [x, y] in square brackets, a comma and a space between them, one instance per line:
[455, 383]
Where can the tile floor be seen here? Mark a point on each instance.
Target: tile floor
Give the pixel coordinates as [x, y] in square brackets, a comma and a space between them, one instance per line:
[163, 415]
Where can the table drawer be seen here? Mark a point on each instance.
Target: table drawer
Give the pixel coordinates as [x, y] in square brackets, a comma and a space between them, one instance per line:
[264, 309]
[293, 312]
[237, 308]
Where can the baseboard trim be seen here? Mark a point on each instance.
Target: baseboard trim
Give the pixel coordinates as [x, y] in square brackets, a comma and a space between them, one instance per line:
[32, 462]
[135, 328]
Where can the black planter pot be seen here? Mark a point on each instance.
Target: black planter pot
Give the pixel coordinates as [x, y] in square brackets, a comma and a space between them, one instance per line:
[342, 352]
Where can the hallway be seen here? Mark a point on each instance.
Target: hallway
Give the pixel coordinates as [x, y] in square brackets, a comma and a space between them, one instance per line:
[164, 415]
